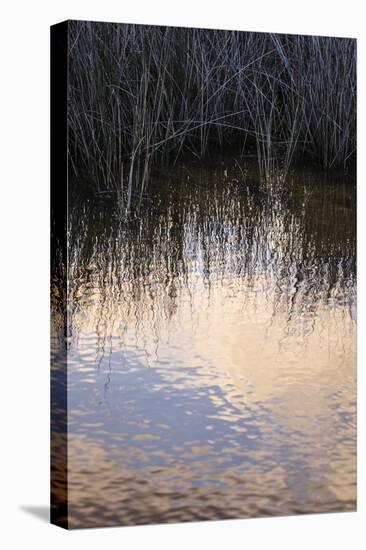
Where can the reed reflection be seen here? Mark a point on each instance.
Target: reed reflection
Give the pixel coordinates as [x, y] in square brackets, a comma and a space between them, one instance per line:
[298, 239]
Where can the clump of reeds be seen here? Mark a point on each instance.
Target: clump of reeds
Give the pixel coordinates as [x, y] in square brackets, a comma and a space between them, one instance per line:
[142, 94]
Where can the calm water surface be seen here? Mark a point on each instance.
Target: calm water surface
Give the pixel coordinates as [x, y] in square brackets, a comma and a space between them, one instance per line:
[211, 342]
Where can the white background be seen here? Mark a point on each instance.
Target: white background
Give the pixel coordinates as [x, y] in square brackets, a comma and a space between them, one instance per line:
[24, 232]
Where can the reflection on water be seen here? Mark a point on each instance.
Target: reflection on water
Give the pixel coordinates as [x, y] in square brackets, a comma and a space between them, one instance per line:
[211, 351]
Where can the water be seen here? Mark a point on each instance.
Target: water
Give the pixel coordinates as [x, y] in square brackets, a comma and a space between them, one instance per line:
[212, 350]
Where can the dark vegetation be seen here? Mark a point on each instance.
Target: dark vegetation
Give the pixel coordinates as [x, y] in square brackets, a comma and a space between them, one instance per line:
[144, 95]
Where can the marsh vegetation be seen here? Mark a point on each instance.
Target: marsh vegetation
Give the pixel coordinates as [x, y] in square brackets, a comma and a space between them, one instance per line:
[143, 96]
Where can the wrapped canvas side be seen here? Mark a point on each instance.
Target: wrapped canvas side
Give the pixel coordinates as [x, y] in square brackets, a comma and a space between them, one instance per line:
[59, 274]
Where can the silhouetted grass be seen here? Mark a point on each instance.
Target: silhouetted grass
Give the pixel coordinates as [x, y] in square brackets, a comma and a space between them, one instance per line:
[139, 95]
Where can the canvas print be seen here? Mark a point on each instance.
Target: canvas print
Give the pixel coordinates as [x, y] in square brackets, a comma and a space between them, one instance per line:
[203, 283]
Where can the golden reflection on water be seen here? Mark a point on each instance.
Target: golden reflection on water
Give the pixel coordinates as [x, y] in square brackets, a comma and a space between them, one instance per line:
[212, 361]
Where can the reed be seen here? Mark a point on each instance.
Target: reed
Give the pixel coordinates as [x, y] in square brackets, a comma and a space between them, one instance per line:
[142, 95]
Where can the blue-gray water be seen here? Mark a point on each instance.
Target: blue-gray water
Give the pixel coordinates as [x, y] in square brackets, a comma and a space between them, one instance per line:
[212, 350]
